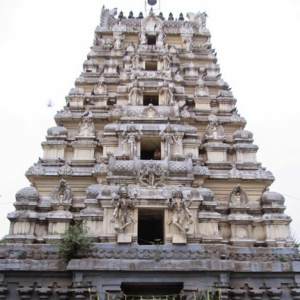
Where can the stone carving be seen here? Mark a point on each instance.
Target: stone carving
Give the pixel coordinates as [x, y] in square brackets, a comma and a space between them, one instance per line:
[118, 30]
[182, 216]
[135, 94]
[166, 92]
[36, 170]
[214, 130]
[65, 170]
[100, 88]
[62, 194]
[187, 33]
[170, 137]
[201, 89]
[131, 136]
[107, 15]
[87, 127]
[238, 196]
[160, 39]
[152, 174]
[198, 18]
[123, 205]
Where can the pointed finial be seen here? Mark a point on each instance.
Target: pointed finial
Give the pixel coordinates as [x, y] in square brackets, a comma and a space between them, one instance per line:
[181, 17]
[152, 2]
[141, 16]
[130, 16]
[121, 15]
[171, 18]
[161, 16]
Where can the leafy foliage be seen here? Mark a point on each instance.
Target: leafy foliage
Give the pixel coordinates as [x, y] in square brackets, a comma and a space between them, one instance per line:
[214, 294]
[74, 242]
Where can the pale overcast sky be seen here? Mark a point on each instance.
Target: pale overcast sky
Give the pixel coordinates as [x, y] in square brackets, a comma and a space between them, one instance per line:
[43, 44]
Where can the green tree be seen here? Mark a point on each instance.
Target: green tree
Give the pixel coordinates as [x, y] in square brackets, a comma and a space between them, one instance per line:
[75, 243]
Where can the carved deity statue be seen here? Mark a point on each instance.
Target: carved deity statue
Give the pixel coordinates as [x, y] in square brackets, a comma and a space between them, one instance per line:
[134, 94]
[160, 39]
[143, 39]
[201, 89]
[170, 137]
[62, 194]
[166, 92]
[118, 40]
[152, 174]
[214, 130]
[100, 88]
[198, 18]
[87, 127]
[131, 135]
[238, 196]
[123, 204]
[182, 216]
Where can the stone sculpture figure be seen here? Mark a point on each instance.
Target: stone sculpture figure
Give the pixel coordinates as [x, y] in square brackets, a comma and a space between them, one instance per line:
[160, 39]
[131, 135]
[215, 130]
[134, 94]
[62, 194]
[201, 89]
[198, 18]
[152, 174]
[182, 217]
[170, 137]
[87, 127]
[168, 94]
[118, 39]
[238, 196]
[100, 88]
[123, 204]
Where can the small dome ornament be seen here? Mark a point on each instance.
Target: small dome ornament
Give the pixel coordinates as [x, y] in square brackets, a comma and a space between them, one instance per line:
[27, 194]
[152, 2]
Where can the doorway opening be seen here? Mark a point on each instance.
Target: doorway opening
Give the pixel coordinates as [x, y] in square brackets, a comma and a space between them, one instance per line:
[150, 226]
[151, 39]
[150, 149]
[151, 65]
[150, 99]
[152, 290]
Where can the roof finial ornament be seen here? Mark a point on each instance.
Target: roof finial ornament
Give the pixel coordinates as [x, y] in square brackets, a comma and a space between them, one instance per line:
[151, 5]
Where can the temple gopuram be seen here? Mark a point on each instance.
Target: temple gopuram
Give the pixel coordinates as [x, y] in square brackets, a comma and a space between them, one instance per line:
[151, 160]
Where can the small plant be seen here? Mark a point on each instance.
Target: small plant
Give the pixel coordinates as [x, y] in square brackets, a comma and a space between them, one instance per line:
[209, 294]
[74, 242]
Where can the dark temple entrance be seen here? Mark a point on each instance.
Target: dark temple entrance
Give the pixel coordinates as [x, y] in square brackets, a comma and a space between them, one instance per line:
[150, 226]
[155, 291]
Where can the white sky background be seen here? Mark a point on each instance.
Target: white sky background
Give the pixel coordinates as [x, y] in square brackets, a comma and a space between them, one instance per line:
[43, 44]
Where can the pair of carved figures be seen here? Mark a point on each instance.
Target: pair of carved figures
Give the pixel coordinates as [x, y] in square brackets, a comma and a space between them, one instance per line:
[170, 138]
[152, 174]
[131, 136]
[123, 205]
[181, 214]
[87, 127]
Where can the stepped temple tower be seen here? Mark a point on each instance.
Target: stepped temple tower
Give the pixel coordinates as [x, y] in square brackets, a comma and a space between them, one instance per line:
[152, 157]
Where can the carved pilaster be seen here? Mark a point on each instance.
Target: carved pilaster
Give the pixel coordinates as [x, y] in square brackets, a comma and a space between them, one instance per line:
[63, 293]
[295, 293]
[237, 294]
[3, 292]
[44, 292]
[274, 294]
[25, 292]
[256, 294]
